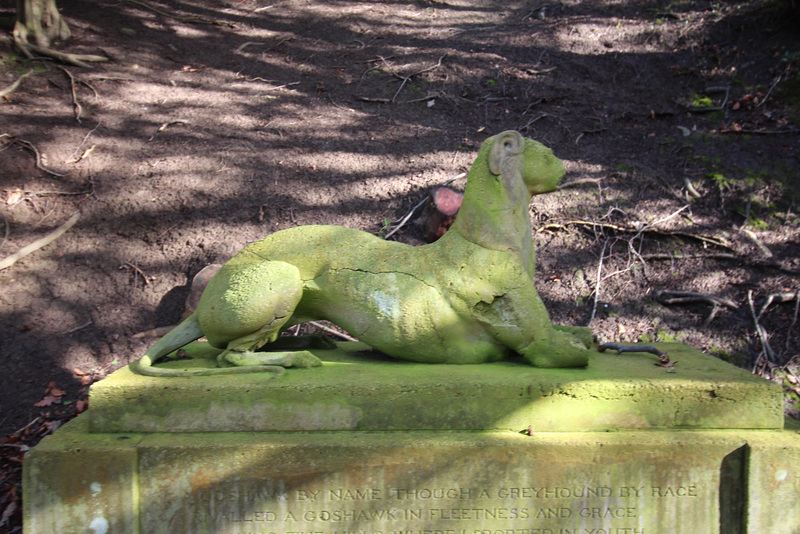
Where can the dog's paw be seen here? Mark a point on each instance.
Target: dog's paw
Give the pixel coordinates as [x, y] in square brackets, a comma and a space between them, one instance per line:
[301, 359]
[582, 333]
[560, 349]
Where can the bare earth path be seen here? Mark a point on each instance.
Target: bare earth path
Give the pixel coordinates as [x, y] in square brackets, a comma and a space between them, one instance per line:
[216, 123]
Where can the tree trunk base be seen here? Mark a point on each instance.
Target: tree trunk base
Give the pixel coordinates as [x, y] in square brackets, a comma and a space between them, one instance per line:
[38, 24]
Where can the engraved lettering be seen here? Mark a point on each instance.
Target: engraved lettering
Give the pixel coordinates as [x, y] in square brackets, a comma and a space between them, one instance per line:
[607, 513]
[558, 492]
[354, 495]
[630, 491]
[436, 493]
[346, 515]
[674, 491]
[553, 513]
[307, 495]
[473, 514]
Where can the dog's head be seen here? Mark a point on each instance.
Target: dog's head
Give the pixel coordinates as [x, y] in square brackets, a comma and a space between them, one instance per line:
[509, 152]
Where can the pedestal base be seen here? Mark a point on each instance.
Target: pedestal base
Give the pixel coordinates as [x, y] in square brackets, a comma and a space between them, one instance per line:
[373, 446]
[653, 482]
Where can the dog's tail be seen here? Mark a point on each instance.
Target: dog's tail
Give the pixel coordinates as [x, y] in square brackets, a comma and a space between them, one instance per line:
[187, 331]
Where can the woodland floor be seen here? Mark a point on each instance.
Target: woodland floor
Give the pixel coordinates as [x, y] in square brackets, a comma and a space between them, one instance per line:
[215, 123]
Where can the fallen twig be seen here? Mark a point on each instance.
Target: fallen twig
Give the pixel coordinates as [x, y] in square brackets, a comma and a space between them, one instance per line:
[794, 319]
[766, 358]
[13, 87]
[646, 228]
[129, 266]
[724, 256]
[191, 19]
[39, 243]
[762, 132]
[765, 251]
[78, 108]
[408, 215]
[32, 148]
[85, 138]
[77, 328]
[597, 284]
[404, 79]
[690, 188]
[405, 219]
[248, 43]
[342, 335]
[35, 193]
[664, 360]
[167, 125]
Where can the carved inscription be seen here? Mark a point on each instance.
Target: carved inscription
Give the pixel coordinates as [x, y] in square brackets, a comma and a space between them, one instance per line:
[274, 507]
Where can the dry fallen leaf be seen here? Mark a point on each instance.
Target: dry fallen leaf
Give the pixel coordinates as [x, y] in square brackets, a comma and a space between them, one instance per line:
[48, 400]
[13, 197]
[10, 509]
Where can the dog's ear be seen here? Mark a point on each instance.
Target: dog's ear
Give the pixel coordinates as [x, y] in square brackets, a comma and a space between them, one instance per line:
[505, 145]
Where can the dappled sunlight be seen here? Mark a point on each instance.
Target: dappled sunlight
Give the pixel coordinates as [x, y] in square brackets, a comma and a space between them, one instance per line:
[349, 113]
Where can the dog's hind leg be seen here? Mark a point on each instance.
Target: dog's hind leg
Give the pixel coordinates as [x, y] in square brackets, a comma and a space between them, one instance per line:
[245, 306]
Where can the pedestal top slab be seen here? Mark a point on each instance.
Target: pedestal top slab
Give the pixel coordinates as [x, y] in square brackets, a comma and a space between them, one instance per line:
[357, 389]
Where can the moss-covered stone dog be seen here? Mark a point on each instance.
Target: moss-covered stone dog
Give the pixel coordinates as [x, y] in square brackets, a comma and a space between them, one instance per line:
[467, 298]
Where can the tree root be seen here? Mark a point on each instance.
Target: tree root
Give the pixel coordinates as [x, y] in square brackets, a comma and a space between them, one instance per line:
[20, 35]
[13, 87]
[669, 297]
[40, 243]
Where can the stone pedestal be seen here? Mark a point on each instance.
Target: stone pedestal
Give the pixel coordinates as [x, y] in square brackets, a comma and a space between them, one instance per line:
[374, 446]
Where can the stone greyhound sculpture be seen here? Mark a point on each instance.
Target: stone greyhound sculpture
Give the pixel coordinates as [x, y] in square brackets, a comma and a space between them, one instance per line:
[466, 298]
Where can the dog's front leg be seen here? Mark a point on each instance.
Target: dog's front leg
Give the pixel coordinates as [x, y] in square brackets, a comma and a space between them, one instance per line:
[519, 320]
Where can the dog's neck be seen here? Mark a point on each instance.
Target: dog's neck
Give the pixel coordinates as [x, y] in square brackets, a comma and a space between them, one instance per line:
[494, 214]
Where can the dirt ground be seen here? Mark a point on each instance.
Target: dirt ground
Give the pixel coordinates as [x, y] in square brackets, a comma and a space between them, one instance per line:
[216, 123]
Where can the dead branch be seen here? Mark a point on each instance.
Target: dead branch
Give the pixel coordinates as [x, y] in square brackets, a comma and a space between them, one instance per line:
[83, 142]
[794, 319]
[191, 19]
[580, 182]
[167, 125]
[13, 87]
[42, 193]
[404, 79]
[77, 328]
[766, 252]
[767, 356]
[78, 108]
[634, 229]
[342, 335]
[136, 270]
[408, 215]
[778, 298]
[758, 262]
[40, 243]
[248, 43]
[664, 360]
[762, 132]
[597, 285]
[30, 146]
